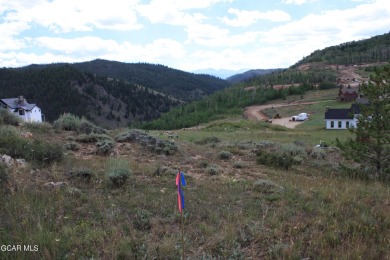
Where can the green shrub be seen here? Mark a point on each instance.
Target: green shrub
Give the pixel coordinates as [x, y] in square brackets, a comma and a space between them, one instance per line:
[318, 153]
[224, 155]
[265, 186]
[8, 131]
[104, 147]
[38, 127]
[70, 122]
[67, 122]
[118, 172]
[87, 127]
[44, 152]
[31, 150]
[8, 118]
[151, 143]
[92, 138]
[212, 170]
[275, 159]
[292, 150]
[72, 146]
[203, 164]
[239, 165]
[142, 220]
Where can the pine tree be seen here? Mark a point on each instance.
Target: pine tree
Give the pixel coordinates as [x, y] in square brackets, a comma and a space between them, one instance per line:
[372, 144]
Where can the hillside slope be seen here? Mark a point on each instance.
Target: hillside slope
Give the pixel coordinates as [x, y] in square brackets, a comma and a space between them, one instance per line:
[65, 89]
[179, 84]
[372, 50]
[314, 72]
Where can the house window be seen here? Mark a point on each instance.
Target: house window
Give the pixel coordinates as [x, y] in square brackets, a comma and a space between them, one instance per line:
[340, 124]
[21, 112]
[331, 124]
[347, 124]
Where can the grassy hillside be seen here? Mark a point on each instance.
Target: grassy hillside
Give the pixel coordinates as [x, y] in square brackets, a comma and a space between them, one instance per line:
[237, 205]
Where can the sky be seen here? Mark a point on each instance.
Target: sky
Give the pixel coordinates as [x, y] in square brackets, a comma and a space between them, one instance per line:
[189, 35]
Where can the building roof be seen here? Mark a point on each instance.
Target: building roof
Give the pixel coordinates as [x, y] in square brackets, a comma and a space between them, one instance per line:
[17, 103]
[339, 113]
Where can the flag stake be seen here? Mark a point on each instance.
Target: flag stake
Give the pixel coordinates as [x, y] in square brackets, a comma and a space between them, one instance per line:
[180, 181]
[182, 232]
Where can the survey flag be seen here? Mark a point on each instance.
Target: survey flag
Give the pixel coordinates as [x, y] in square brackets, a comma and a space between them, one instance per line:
[180, 181]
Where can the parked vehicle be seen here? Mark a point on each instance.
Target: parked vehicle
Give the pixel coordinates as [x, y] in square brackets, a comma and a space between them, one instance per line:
[300, 117]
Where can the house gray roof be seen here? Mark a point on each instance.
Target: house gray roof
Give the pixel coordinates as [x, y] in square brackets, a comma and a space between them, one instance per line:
[17, 103]
[339, 113]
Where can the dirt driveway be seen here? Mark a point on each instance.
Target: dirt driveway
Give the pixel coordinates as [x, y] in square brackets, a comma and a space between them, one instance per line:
[255, 113]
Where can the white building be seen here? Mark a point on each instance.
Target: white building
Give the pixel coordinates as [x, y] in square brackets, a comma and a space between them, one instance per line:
[342, 118]
[19, 106]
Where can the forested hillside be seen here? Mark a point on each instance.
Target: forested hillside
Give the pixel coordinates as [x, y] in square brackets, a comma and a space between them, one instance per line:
[179, 84]
[65, 89]
[375, 49]
[317, 71]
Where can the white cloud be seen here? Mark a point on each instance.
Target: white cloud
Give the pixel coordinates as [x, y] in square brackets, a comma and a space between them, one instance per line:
[8, 31]
[77, 45]
[73, 15]
[89, 47]
[157, 51]
[333, 26]
[297, 2]
[246, 18]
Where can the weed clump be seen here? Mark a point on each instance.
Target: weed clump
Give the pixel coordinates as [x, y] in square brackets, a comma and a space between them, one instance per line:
[118, 172]
[212, 170]
[318, 153]
[224, 155]
[72, 146]
[8, 118]
[70, 122]
[265, 186]
[92, 138]
[275, 159]
[31, 150]
[35, 127]
[239, 165]
[292, 150]
[142, 220]
[149, 142]
[104, 147]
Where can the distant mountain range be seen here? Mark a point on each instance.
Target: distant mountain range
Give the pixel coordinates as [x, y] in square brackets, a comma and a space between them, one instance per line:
[250, 74]
[114, 94]
[176, 83]
[107, 92]
[220, 73]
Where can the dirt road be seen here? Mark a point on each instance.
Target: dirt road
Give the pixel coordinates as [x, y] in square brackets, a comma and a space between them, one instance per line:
[255, 113]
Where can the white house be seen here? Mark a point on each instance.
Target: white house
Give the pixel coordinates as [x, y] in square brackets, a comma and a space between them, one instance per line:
[19, 106]
[342, 118]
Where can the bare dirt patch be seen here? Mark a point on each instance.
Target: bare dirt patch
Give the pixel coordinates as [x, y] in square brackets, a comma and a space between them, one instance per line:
[255, 113]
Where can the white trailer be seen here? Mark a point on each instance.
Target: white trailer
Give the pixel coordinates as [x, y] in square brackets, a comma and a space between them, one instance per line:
[300, 117]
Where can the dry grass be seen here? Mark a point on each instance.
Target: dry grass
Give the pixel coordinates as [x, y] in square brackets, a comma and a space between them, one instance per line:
[305, 212]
